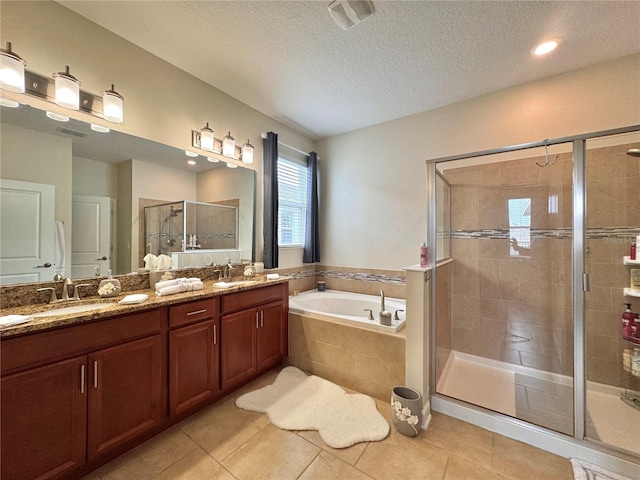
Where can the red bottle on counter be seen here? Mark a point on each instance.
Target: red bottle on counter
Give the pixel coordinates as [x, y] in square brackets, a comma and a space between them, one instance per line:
[633, 252]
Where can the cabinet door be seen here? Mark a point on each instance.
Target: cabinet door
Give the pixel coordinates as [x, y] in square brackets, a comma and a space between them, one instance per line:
[194, 365]
[44, 419]
[238, 348]
[271, 341]
[125, 393]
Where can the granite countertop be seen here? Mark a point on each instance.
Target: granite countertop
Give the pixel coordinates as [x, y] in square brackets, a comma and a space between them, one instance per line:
[113, 308]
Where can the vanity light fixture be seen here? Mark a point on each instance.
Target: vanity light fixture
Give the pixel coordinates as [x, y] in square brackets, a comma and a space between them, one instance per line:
[207, 138]
[112, 106]
[247, 152]
[57, 116]
[11, 70]
[67, 90]
[63, 89]
[189, 153]
[229, 146]
[99, 128]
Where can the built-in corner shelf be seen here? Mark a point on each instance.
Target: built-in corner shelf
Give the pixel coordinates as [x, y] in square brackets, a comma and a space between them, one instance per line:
[627, 261]
[632, 399]
[631, 292]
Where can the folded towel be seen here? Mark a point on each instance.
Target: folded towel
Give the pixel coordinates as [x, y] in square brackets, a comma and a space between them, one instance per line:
[222, 285]
[167, 283]
[183, 285]
[135, 298]
[272, 276]
[9, 320]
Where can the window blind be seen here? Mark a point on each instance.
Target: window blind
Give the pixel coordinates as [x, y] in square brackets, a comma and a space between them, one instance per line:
[292, 202]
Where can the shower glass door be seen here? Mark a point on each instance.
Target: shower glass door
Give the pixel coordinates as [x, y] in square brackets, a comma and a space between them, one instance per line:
[612, 412]
[505, 340]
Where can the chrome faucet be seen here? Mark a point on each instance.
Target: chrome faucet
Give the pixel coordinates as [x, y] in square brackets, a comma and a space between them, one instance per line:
[226, 270]
[65, 291]
[382, 309]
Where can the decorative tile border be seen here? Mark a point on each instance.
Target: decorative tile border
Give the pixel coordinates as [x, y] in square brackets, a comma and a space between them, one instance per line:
[362, 276]
[621, 234]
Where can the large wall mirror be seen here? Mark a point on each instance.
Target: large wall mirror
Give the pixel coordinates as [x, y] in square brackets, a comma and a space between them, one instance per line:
[73, 198]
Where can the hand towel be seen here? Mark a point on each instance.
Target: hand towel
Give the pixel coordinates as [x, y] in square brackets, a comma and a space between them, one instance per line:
[178, 286]
[9, 320]
[150, 260]
[164, 262]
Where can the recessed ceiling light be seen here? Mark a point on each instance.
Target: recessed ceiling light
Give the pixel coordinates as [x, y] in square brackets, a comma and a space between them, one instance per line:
[546, 47]
[57, 117]
[212, 160]
[231, 165]
[191, 161]
[190, 154]
[5, 102]
[99, 128]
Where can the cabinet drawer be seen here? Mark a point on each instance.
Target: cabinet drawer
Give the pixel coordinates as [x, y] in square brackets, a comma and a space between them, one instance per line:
[192, 312]
[46, 347]
[251, 298]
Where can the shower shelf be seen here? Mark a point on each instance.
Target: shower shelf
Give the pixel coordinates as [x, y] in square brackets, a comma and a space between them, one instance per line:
[631, 292]
[628, 370]
[632, 339]
[631, 399]
[627, 261]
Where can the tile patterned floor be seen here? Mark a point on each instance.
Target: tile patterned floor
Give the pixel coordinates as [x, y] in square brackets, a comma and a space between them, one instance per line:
[223, 442]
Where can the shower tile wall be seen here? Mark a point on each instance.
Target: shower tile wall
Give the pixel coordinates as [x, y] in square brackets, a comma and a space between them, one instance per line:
[613, 220]
[509, 307]
[517, 309]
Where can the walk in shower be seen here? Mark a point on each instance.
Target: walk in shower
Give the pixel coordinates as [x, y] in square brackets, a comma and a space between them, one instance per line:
[190, 226]
[528, 302]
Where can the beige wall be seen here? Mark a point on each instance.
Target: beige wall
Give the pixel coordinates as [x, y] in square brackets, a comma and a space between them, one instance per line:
[162, 102]
[373, 189]
[91, 177]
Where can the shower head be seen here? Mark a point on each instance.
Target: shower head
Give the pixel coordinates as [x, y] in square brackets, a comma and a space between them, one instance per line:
[175, 211]
[634, 152]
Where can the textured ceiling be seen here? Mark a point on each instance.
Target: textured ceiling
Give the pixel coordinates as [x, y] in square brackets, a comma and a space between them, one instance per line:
[291, 61]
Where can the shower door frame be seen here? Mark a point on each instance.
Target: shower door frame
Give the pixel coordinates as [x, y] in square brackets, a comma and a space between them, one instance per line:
[580, 279]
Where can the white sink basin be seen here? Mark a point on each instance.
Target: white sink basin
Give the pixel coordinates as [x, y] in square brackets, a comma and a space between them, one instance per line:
[72, 309]
[237, 283]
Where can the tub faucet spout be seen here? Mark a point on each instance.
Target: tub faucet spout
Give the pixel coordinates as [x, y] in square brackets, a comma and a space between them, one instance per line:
[382, 309]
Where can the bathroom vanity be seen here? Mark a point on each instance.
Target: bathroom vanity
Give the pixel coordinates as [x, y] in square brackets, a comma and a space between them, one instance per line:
[77, 391]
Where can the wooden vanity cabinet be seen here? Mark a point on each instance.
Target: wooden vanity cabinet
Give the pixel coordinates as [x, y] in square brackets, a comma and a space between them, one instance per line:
[254, 332]
[194, 355]
[78, 393]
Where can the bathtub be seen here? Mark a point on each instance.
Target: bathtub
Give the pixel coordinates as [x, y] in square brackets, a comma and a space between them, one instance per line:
[347, 308]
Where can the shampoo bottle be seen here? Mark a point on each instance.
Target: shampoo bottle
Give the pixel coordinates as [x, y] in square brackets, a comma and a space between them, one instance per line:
[627, 321]
[424, 255]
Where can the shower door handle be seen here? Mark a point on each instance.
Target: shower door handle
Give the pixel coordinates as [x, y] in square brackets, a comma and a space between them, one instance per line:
[586, 282]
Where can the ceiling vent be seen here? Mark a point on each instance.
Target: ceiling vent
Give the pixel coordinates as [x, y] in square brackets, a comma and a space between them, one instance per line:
[348, 13]
[68, 131]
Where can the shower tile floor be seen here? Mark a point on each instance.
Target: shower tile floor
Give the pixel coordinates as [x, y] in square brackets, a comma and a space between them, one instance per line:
[224, 442]
[540, 398]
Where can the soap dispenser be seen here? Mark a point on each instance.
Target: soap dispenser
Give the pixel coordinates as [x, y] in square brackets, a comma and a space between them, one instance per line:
[110, 287]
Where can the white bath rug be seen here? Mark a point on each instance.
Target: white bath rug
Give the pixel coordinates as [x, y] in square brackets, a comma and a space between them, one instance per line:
[588, 471]
[296, 401]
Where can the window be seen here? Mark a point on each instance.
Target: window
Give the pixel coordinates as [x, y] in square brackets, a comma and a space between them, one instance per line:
[520, 227]
[292, 202]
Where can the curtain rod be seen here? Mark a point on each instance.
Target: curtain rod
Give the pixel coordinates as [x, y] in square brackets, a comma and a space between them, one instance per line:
[264, 135]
